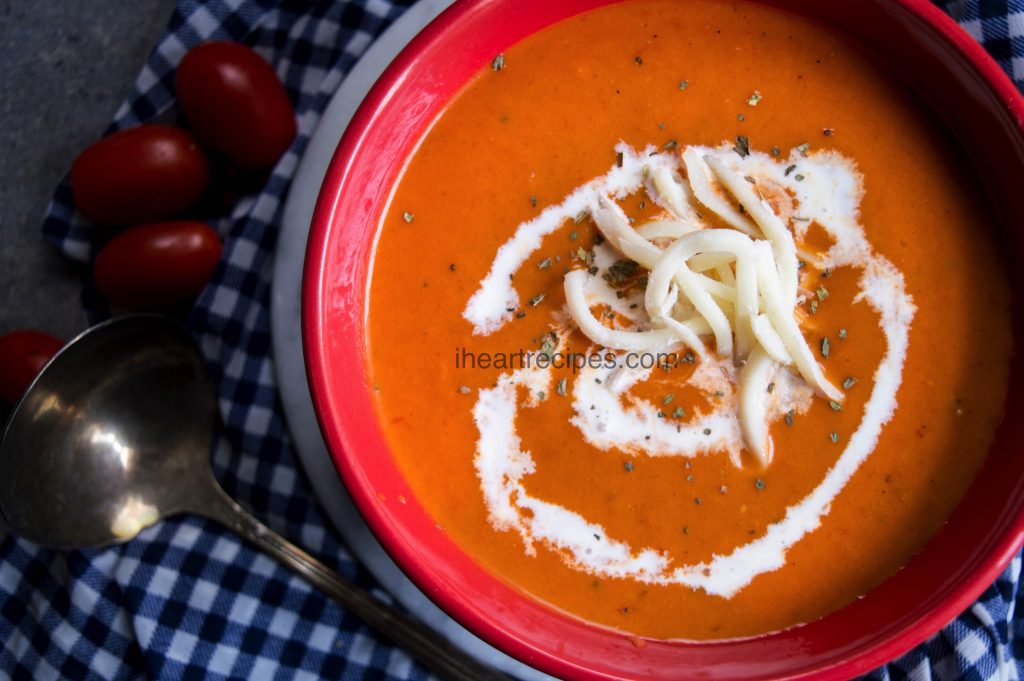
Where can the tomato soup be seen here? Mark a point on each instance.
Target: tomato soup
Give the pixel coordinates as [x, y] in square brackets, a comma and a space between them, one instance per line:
[685, 318]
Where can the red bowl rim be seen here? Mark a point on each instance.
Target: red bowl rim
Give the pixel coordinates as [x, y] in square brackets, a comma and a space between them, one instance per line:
[314, 333]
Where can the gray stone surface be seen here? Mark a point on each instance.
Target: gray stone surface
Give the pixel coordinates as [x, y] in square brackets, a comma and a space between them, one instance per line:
[65, 66]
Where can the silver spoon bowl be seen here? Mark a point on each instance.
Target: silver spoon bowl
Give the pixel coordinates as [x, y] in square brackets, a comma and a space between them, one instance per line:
[115, 434]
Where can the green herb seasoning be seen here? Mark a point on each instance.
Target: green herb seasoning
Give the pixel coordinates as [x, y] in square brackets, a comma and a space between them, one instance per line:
[798, 177]
[619, 271]
[560, 387]
[803, 148]
[581, 216]
[759, 484]
[842, 334]
[835, 405]
[776, 152]
[639, 60]
[498, 63]
[825, 347]
[849, 382]
[573, 236]
[683, 84]
[790, 169]
[464, 389]
[789, 417]
[536, 300]
[822, 293]
[671, 144]
[533, 201]
[755, 98]
[667, 400]
[547, 347]
[628, 466]
[408, 217]
[741, 117]
[742, 146]
[544, 264]
[834, 436]
[678, 413]
[771, 388]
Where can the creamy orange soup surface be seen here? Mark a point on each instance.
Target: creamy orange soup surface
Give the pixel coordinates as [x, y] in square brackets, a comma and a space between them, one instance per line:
[739, 487]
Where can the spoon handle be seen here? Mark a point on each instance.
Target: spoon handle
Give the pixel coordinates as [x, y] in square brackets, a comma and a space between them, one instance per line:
[428, 647]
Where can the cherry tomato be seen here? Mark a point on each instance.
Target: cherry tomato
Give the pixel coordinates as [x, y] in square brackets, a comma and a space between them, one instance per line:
[235, 103]
[22, 355]
[157, 264]
[139, 174]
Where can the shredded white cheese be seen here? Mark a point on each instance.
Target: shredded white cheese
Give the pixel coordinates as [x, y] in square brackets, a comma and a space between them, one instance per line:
[488, 309]
[737, 288]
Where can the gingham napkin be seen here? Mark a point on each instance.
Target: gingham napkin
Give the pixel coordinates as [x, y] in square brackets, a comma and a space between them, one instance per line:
[187, 599]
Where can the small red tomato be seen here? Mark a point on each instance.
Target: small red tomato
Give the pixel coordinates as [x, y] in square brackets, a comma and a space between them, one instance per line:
[139, 174]
[22, 355]
[157, 264]
[235, 103]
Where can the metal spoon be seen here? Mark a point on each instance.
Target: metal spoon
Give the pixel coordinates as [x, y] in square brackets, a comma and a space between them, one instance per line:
[114, 435]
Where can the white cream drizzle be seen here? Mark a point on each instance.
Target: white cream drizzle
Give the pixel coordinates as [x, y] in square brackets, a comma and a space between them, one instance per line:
[488, 309]
[609, 417]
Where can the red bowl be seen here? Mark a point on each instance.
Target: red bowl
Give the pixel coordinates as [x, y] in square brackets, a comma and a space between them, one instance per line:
[948, 69]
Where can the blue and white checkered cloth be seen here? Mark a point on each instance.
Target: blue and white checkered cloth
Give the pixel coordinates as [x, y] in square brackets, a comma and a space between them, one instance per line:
[189, 600]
